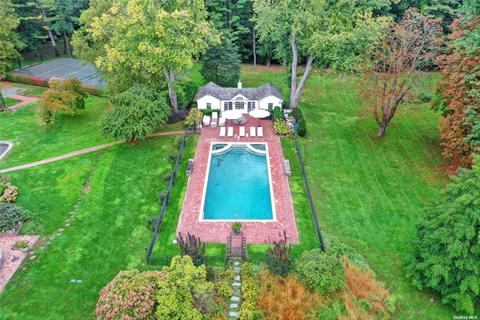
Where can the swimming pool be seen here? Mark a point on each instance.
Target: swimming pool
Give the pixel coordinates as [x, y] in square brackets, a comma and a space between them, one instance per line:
[238, 183]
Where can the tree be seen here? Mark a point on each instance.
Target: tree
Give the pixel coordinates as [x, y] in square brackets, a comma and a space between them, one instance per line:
[333, 34]
[445, 10]
[221, 64]
[459, 90]
[8, 39]
[447, 244]
[66, 96]
[136, 113]
[130, 295]
[143, 41]
[43, 7]
[397, 65]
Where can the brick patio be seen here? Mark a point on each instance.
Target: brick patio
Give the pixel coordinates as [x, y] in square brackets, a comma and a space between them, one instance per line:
[255, 232]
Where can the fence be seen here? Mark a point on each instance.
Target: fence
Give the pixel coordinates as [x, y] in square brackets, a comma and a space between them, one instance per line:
[167, 196]
[309, 194]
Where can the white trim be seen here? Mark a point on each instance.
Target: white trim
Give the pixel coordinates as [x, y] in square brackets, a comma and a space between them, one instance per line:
[270, 184]
[9, 147]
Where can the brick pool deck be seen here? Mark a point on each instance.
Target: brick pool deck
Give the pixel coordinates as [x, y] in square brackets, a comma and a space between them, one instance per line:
[255, 232]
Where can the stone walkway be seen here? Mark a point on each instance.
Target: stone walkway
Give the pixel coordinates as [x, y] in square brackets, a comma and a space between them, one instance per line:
[236, 299]
[77, 153]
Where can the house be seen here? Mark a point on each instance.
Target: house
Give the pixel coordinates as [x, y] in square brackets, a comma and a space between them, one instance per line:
[212, 96]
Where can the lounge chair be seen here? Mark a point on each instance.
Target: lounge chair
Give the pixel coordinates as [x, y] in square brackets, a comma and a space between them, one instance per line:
[189, 167]
[214, 122]
[222, 131]
[253, 132]
[230, 132]
[260, 131]
[286, 167]
[206, 120]
[221, 121]
[242, 132]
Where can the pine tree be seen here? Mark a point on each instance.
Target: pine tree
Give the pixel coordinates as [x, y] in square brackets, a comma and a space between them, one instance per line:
[221, 64]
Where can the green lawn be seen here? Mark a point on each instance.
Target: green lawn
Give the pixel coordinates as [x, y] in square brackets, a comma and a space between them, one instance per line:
[113, 192]
[11, 101]
[369, 192]
[33, 142]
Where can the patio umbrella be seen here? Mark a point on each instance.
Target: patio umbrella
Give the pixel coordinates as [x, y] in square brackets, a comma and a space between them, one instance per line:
[232, 114]
[259, 114]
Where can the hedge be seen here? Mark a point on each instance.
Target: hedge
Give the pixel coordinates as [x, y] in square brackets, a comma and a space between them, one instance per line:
[277, 114]
[301, 123]
[43, 82]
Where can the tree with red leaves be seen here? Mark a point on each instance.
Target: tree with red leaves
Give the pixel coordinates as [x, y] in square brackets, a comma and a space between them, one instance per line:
[460, 93]
[398, 63]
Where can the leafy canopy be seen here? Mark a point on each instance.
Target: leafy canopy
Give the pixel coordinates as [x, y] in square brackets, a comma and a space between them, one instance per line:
[136, 113]
[8, 38]
[221, 64]
[447, 245]
[137, 41]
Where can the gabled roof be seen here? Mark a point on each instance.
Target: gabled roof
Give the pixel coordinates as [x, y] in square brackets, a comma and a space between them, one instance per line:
[222, 93]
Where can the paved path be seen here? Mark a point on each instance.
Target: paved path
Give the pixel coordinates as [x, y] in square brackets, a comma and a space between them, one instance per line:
[77, 153]
[23, 101]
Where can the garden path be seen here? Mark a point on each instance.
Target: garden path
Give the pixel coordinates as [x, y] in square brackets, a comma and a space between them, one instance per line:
[77, 153]
[23, 101]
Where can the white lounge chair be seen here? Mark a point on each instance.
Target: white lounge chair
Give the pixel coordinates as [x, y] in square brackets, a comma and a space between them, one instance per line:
[206, 120]
[242, 132]
[222, 131]
[221, 121]
[253, 132]
[214, 122]
[260, 131]
[230, 132]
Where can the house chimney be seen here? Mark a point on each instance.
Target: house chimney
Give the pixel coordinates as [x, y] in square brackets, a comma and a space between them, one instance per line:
[239, 85]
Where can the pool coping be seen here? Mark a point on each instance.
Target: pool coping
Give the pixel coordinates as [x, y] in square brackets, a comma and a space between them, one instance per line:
[207, 172]
[9, 148]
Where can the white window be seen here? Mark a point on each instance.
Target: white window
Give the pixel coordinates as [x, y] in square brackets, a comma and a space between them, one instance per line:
[251, 105]
[227, 105]
[209, 105]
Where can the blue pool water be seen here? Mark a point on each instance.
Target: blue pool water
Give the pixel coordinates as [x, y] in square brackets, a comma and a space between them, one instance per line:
[238, 186]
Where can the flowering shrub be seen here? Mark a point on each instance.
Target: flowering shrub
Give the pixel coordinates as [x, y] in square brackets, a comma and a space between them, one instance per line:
[130, 295]
[281, 128]
[194, 118]
[223, 288]
[11, 215]
[10, 194]
[250, 292]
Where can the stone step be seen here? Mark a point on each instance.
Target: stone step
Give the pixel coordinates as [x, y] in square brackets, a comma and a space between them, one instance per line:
[236, 263]
[236, 269]
[233, 314]
[236, 284]
[233, 305]
[235, 298]
[236, 278]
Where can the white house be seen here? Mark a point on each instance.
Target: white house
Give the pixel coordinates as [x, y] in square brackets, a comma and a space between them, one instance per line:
[213, 96]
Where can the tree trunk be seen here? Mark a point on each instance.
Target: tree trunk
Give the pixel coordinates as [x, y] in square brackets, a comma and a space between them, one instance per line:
[254, 47]
[269, 61]
[295, 96]
[40, 55]
[383, 128]
[3, 105]
[67, 46]
[293, 74]
[171, 78]
[50, 34]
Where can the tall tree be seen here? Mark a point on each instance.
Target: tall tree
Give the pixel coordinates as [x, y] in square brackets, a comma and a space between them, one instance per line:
[329, 33]
[144, 41]
[8, 39]
[221, 64]
[30, 31]
[397, 65]
[460, 90]
[43, 7]
[445, 10]
[447, 245]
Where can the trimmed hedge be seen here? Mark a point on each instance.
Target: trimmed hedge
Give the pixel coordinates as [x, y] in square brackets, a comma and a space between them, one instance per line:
[277, 114]
[301, 123]
[43, 82]
[208, 112]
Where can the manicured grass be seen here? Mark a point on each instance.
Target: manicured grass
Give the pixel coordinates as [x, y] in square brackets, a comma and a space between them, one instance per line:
[33, 142]
[370, 192]
[10, 101]
[113, 192]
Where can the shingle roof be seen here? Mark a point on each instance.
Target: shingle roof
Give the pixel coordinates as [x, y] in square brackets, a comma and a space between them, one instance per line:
[222, 93]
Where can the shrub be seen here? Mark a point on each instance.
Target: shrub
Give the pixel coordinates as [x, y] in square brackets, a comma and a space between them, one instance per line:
[286, 298]
[446, 248]
[64, 96]
[424, 97]
[319, 271]
[340, 250]
[130, 295]
[11, 215]
[45, 116]
[250, 292]
[21, 245]
[278, 256]
[192, 246]
[223, 288]
[277, 114]
[185, 293]
[10, 194]
[186, 91]
[297, 114]
[301, 127]
[151, 222]
[194, 118]
[333, 311]
[281, 128]
[208, 112]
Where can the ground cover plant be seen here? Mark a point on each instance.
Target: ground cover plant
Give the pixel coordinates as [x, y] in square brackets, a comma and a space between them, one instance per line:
[111, 194]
